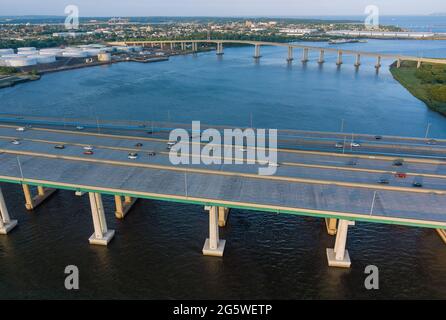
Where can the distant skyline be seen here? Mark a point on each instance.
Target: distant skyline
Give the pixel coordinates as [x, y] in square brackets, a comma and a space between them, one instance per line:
[220, 7]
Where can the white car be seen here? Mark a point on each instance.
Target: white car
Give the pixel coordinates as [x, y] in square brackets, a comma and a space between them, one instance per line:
[20, 129]
[355, 145]
[80, 128]
[16, 142]
[339, 145]
[89, 148]
[133, 156]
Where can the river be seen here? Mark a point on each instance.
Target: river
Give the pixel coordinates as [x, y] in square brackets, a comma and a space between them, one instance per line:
[156, 252]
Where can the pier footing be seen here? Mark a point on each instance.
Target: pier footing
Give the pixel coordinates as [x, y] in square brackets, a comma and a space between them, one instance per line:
[6, 224]
[42, 194]
[338, 256]
[101, 236]
[213, 246]
[123, 207]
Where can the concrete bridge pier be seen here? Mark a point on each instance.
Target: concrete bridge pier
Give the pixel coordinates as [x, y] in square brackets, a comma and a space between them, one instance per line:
[331, 224]
[213, 246]
[172, 46]
[378, 63]
[358, 60]
[305, 55]
[398, 63]
[183, 46]
[101, 235]
[442, 234]
[290, 54]
[42, 194]
[257, 51]
[321, 57]
[219, 49]
[123, 207]
[338, 256]
[339, 59]
[6, 224]
[222, 216]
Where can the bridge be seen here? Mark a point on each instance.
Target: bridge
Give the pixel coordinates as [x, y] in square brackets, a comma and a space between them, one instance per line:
[291, 47]
[391, 180]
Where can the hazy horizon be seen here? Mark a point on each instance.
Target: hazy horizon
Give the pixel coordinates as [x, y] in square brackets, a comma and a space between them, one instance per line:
[220, 8]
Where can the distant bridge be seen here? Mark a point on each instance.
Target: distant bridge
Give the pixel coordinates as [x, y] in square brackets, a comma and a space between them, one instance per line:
[305, 50]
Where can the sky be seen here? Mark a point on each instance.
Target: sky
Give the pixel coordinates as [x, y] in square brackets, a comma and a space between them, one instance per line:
[220, 7]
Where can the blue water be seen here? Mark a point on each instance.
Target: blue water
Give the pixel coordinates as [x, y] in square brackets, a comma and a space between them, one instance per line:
[156, 252]
[235, 88]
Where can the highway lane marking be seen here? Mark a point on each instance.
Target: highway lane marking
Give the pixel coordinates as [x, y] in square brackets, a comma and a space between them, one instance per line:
[284, 150]
[228, 173]
[291, 164]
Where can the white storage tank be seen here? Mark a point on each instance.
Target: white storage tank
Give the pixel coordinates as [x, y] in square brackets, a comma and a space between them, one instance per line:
[75, 54]
[6, 51]
[20, 62]
[92, 52]
[26, 49]
[44, 58]
[104, 57]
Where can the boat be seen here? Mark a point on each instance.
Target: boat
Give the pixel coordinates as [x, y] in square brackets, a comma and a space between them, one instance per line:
[343, 41]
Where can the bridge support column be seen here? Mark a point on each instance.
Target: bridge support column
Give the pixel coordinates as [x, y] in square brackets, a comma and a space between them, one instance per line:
[305, 55]
[222, 216]
[290, 54]
[378, 62]
[172, 46]
[331, 224]
[213, 246]
[338, 256]
[419, 64]
[42, 193]
[398, 63]
[183, 46]
[358, 60]
[123, 207]
[339, 59]
[257, 51]
[101, 235]
[6, 224]
[321, 57]
[219, 49]
[442, 234]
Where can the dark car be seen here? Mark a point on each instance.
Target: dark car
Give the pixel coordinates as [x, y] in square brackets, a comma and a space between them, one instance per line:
[417, 184]
[59, 146]
[383, 181]
[151, 153]
[138, 145]
[398, 162]
[378, 137]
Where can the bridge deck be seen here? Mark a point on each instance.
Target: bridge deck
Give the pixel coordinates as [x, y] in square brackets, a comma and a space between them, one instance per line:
[306, 183]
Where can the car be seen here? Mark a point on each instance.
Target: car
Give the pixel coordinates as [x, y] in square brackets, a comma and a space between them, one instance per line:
[243, 149]
[339, 145]
[88, 152]
[378, 137]
[274, 164]
[138, 145]
[398, 162]
[355, 145]
[88, 148]
[59, 146]
[151, 153]
[149, 132]
[400, 175]
[352, 162]
[431, 141]
[417, 184]
[20, 129]
[16, 142]
[383, 181]
[80, 128]
[133, 156]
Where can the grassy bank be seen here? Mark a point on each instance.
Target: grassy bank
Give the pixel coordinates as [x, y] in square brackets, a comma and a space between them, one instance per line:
[428, 83]
[12, 76]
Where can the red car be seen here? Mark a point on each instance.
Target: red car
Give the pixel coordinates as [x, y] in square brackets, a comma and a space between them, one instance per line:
[401, 175]
[88, 152]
